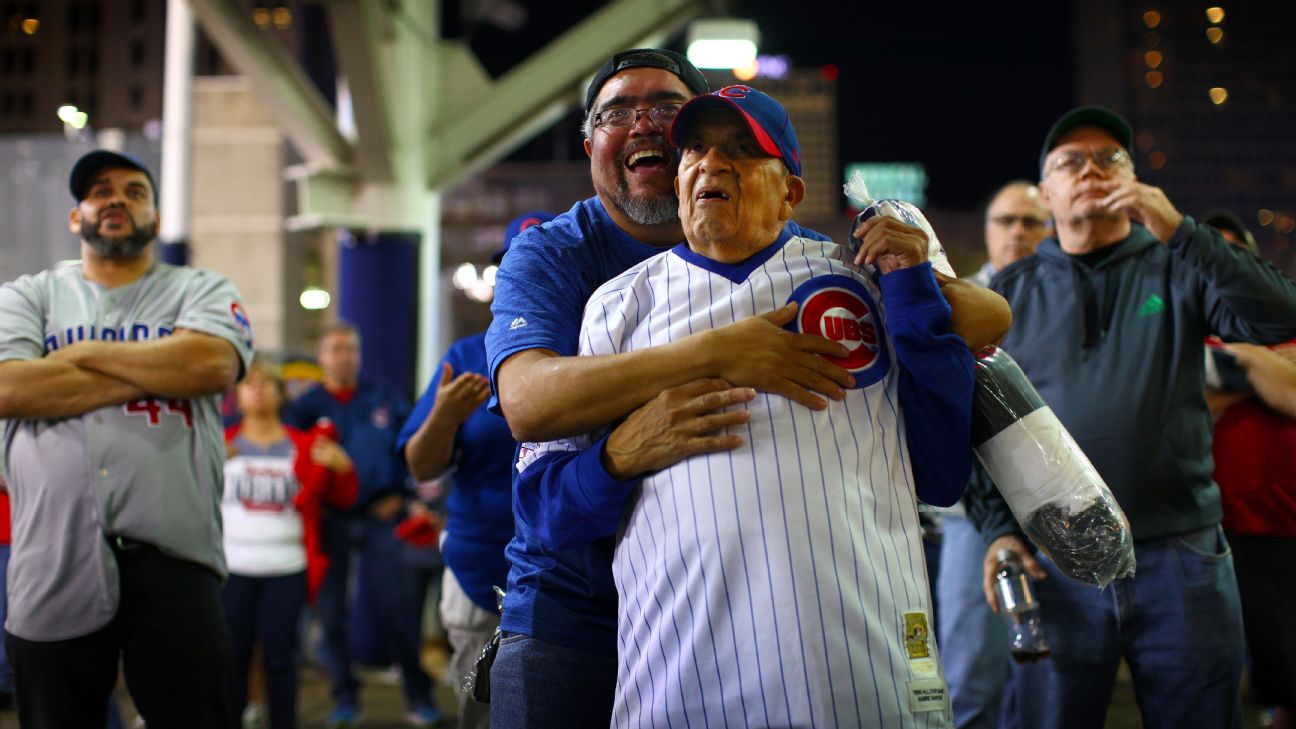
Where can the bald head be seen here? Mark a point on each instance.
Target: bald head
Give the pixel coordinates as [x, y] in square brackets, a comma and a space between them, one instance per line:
[1016, 221]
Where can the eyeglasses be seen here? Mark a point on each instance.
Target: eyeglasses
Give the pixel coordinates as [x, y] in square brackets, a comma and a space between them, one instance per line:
[623, 116]
[1074, 161]
[1030, 222]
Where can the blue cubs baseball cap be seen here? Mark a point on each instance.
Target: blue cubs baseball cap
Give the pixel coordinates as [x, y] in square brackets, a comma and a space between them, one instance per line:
[84, 170]
[646, 58]
[1087, 116]
[519, 224]
[768, 120]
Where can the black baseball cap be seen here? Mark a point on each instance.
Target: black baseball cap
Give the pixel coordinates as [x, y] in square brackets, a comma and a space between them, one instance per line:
[84, 170]
[647, 58]
[1087, 116]
[1225, 220]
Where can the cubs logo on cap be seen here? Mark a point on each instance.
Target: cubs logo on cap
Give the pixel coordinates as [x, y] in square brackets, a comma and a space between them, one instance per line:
[768, 121]
[841, 309]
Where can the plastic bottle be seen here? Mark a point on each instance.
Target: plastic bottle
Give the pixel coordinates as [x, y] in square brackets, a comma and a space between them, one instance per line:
[1020, 610]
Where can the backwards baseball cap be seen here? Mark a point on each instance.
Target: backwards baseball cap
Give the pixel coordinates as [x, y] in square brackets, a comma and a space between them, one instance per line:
[646, 58]
[768, 120]
[1225, 220]
[519, 224]
[1087, 116]
[85, 169]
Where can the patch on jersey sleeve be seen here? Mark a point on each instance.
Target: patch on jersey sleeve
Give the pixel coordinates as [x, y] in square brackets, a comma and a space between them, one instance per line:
[529, 453]
[842, 309]
[241, 320]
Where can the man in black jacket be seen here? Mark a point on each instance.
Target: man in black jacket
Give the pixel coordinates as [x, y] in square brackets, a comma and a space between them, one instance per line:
[1109, 318]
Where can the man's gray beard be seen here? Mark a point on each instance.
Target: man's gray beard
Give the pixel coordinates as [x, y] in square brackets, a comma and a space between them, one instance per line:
[645, 209]
[117, 246]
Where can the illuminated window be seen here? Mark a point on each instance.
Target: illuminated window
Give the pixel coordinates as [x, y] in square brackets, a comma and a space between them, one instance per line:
[1154, 79]
[1214, 35]
[282, 18]
[1153, 59]
[1265, 216]
[1218, 95]
[1152, 18]
[1215, 15]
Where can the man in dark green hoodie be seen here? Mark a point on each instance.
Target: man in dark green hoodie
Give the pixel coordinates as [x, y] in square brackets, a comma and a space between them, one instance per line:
[1109, 317]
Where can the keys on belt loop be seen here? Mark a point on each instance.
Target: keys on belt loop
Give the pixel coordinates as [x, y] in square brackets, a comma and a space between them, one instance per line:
[127, 544]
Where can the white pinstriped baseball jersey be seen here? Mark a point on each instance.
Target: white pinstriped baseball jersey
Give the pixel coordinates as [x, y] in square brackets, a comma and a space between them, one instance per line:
[782, 583]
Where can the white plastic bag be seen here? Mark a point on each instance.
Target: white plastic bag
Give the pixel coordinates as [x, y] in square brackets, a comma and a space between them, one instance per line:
[1054, 492]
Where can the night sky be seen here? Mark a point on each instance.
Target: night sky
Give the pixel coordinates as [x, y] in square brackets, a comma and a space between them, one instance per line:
[968, 92]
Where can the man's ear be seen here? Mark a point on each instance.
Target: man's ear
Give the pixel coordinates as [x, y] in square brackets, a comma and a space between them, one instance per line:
[1044, 197]
[588, 148]
[795, 194]
[74, 220]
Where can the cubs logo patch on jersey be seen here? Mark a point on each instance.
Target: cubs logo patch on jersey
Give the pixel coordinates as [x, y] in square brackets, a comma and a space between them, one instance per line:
[840, 308]
[242, 321]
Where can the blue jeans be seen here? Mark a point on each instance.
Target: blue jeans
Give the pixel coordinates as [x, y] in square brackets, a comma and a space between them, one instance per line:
[536, 685]
[382, 558]
[972, 638]
[265, 609]
[1177, 623]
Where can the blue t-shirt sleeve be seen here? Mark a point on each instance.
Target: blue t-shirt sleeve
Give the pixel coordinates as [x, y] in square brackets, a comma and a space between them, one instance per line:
[567, 499]
[936, 381]
[538, 297]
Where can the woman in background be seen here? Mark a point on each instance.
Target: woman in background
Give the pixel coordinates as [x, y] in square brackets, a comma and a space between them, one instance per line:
[277, 481]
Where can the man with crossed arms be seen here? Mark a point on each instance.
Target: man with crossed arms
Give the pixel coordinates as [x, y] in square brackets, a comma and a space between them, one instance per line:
[110, 379]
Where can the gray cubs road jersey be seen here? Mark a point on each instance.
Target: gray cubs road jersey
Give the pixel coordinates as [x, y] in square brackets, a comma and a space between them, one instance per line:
[149, 470]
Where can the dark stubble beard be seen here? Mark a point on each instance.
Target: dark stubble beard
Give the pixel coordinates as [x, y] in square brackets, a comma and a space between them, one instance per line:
[125, 246]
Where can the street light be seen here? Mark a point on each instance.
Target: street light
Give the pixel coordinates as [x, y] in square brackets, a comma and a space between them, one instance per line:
[723, 42]
[73, 117]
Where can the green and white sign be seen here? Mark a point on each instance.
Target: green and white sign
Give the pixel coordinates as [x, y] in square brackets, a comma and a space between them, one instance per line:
[891, 180]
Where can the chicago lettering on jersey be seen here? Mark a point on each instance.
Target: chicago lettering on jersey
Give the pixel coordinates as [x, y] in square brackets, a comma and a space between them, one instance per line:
[134, 332]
